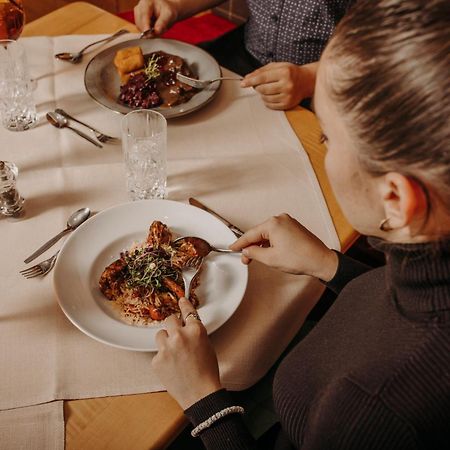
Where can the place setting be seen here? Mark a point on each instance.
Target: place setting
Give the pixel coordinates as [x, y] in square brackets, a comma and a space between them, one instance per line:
[96, 241]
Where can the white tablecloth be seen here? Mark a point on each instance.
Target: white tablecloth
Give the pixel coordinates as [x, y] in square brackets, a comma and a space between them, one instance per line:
[235, 155]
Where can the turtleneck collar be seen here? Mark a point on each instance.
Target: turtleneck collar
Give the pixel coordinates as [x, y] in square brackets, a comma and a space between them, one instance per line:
[418, 274]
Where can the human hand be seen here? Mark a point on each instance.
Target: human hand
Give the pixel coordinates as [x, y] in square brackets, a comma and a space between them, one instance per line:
[283, 243]
[186, 362]
[282, 85]
[156, 14]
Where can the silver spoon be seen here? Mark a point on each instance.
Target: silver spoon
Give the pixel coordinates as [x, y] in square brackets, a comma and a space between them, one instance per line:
[59, 121]
[201, 246]
[74, 221]
[75, 58]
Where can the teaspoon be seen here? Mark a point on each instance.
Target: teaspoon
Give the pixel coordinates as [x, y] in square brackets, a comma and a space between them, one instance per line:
[59, 121]
[74, 221]
[201, 246]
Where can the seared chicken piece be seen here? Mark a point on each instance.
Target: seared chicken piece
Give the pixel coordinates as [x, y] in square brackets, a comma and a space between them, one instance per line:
[112, 279]
[158, 234]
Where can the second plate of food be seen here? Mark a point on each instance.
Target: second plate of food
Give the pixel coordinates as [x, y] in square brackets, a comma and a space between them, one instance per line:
[102, 80]
[100, 240]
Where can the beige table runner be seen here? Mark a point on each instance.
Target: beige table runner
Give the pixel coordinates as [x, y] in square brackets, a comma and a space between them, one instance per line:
[237, 156]
[39, 427]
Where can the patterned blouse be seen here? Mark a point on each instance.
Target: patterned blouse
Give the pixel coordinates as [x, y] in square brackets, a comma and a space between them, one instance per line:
[295, 31]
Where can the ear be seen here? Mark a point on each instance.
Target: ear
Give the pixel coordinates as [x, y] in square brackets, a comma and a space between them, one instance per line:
[403, 199]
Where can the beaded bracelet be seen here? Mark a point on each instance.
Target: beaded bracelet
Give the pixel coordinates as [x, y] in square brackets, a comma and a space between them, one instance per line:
[215, 417]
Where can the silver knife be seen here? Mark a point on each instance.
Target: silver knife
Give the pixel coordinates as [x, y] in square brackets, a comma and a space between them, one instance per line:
[237, 231]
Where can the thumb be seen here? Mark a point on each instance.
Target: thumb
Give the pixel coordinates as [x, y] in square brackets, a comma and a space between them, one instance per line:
[261, 254]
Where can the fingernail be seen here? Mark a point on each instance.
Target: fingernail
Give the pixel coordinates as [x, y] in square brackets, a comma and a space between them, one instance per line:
[245, 252]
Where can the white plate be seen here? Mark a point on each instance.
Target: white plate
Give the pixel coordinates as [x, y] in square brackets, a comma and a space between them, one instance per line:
[103, 84]
[98, 242]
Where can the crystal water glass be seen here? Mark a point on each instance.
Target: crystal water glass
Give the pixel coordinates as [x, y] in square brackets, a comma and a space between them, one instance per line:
[144, 142]
[17, 107]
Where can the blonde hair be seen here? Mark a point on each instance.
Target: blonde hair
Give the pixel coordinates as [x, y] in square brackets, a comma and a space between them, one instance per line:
[390, 80]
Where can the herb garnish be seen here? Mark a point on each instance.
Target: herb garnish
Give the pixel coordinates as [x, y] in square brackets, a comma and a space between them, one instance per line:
[147, 267]
[152, 69]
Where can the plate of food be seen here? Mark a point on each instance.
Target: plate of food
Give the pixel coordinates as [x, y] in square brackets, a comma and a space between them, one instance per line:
[117, 276]
[141, 74]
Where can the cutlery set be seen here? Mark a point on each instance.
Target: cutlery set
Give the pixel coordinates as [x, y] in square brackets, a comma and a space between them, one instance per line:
[78, 217]
[60, 119]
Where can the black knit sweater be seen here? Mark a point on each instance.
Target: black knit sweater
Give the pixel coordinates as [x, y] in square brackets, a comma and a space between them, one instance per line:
[374, 373]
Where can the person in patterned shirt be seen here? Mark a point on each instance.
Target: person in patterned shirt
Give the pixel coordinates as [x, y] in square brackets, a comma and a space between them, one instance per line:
[277, 50]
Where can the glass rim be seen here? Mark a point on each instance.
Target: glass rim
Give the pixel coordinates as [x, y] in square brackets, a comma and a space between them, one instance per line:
[9, 41]
[137, 111]
[6, 43]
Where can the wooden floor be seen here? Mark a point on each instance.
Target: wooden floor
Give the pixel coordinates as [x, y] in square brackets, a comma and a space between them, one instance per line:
[38, 8]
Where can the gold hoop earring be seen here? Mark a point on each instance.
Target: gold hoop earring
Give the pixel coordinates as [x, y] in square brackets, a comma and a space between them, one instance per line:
[384, 225]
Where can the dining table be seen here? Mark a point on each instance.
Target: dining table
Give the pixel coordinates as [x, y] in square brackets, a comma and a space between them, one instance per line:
[143, 419]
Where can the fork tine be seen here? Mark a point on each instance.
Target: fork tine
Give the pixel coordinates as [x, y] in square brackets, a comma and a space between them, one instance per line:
[41, 268]
[194, 261]
[34, 275]
[104, 138]
[30, 270]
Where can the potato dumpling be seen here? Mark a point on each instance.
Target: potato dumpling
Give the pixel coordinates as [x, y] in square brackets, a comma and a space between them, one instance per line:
[129, 60]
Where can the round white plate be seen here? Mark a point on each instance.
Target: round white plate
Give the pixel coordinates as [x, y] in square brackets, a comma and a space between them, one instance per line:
[103, 84]
[98, 242]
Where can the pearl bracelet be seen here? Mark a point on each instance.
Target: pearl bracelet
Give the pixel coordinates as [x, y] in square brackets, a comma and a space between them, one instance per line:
[215, 417]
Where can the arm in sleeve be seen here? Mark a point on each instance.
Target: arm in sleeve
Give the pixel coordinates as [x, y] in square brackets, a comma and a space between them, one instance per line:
[228, 433]
[348, 269]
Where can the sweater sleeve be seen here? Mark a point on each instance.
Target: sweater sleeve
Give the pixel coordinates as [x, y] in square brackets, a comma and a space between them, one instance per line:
[348, 269]
[345, 417]
[228, 433]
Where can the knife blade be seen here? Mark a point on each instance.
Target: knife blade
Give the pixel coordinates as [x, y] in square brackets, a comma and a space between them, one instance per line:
[237, 231]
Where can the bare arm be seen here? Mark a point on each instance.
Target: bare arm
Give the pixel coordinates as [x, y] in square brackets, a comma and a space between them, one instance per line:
[164, 13]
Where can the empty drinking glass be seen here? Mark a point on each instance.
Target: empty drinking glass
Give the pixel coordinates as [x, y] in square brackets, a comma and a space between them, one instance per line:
[144, 137]
[17, 107]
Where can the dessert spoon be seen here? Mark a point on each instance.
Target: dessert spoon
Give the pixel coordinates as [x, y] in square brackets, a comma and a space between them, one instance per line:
[202, 247]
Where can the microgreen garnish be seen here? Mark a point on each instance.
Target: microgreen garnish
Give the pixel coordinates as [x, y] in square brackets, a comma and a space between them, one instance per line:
[152, 69]
[147, 267]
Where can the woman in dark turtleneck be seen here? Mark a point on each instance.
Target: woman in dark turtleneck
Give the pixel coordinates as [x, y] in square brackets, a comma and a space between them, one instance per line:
[375, 372]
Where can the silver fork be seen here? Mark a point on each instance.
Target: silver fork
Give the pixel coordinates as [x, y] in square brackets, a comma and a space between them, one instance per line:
[102, 137]
[201, 84]
[41, 268]
[189, 271]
